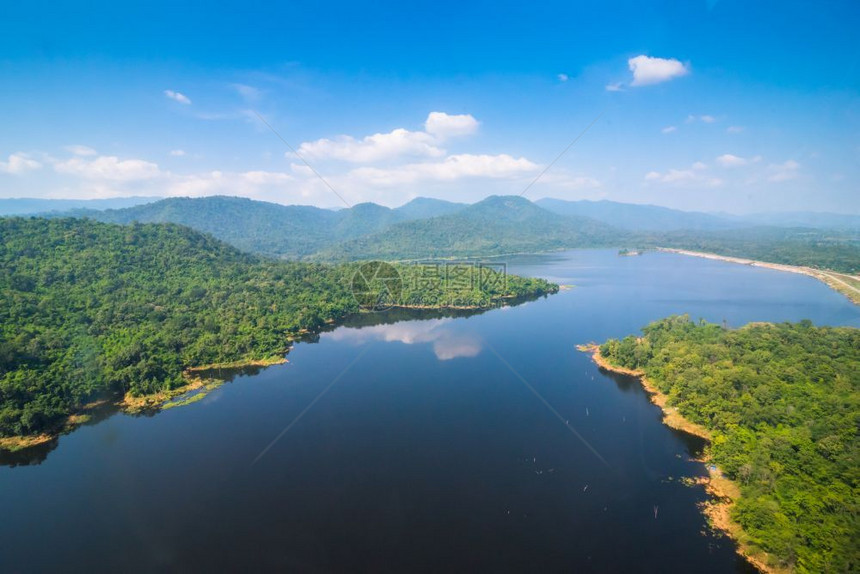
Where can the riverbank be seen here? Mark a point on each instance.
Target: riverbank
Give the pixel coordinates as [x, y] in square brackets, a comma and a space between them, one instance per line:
[723, 491]
[198, 386]
[133, 405]
[848, 285]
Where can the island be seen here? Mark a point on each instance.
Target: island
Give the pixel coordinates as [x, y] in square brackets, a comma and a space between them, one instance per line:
[98, 315]
[779, 404]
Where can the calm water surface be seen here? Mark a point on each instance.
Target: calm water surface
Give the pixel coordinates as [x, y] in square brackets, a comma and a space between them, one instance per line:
[470, 444]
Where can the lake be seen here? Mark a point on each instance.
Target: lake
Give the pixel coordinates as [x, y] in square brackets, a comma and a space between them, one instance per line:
[411, 442]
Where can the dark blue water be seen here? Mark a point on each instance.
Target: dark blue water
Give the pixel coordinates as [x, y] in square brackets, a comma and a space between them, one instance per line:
[469, 444]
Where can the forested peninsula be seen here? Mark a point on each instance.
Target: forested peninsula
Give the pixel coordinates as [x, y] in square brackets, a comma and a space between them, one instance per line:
[94, 312]
[781, 403]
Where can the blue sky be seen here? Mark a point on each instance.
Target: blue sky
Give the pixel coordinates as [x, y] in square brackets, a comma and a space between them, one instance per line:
[712, 105]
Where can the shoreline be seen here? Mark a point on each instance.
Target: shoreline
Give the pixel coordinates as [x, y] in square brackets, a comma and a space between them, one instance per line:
[193, 382]
[724, 491]
[133, 405]
[833, 279]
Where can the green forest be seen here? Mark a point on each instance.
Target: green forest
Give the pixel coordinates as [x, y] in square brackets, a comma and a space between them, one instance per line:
[426, 228]
[93, 310]
[783, 404]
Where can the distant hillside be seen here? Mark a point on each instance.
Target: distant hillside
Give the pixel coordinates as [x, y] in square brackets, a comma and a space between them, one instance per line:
[637, 217]
[254, 226]
[426, 207]
[32, 206]
[496, 225]
[425, 228]
[363, 219]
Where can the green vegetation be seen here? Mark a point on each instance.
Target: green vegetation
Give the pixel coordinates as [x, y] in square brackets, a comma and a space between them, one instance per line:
[253, 226]
[430, 228]
[837, 251]
[783, 405]
[271, 229]
[93, 311]
[497, 225]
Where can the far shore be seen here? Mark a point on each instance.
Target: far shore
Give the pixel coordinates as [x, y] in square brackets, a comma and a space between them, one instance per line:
[840, 282]
[723, 490]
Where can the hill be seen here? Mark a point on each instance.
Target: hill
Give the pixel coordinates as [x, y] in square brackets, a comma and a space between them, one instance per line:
[496, 225]
[253, 226]
[426, 207]
[94, 311]
[426, 228]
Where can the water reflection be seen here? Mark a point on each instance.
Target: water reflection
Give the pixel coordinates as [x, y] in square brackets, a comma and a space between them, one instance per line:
[447, 343]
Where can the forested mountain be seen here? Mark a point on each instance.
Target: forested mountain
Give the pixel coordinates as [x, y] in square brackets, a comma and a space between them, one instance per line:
[783, 405]
[496, 225]
[253, 226]
[363, 219]
[93, 310]
[272, 229]
[425, 207]
[426, 228]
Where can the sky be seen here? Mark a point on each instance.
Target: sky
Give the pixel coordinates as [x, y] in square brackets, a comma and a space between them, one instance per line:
[724, 106]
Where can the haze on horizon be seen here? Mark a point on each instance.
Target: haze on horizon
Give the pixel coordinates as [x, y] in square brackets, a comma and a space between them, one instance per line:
[706, 106]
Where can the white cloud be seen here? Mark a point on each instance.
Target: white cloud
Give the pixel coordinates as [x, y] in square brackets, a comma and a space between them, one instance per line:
[563, 77]
[729, 160]
[647, 70]
[669, 129]
[452, 168]
[783, 171]
[109, 168]
[695, 176]
[703, 118]
[438, 127]
[615, 87]
[177, 152]
[735, 129]
[81, 150]
[19, 163]
[377, 147]
[444, 126]
[177, 96]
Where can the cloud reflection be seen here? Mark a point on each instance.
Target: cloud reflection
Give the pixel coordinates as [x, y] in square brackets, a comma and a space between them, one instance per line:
[447, 344]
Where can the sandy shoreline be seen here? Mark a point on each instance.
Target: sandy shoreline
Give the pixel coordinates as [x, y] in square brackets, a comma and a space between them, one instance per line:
[840, 282]
[724, 492]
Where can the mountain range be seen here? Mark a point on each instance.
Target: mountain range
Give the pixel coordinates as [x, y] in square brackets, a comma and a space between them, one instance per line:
[432, 228]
